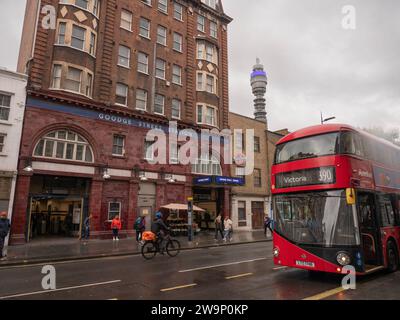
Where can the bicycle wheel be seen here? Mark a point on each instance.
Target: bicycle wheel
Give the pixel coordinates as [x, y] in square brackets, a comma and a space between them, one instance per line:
[173, 248]
[149, 250]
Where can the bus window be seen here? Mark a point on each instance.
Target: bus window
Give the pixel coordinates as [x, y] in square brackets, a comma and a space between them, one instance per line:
[384, 218]
[386, 211]
[366, 204]
[351, 143]
[390, 213]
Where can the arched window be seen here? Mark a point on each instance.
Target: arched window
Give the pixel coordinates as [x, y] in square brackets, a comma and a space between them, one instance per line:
[64, 144]
[207, 165]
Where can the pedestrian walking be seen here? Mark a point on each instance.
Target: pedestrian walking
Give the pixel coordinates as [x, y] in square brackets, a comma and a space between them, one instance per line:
[140, 227]
[86, 226]
[116, 225]
[4, 230]
[219, 227]
[267, 224]
[228, 228]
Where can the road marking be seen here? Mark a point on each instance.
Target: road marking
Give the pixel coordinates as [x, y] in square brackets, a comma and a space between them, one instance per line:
[179, 287]
[61, 289]
[223, 265]
[279, 268]
[239, 276]
[105, 258]
[326, 294]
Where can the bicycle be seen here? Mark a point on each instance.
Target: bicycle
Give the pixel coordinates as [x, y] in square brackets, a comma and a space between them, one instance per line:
[150, 248]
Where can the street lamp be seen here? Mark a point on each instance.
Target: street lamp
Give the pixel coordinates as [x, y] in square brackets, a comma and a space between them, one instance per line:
[28, 166]
[327, 119]
[106, 174]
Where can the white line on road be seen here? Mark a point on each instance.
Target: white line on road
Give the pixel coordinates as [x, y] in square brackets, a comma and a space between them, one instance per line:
[223, 265]
[61, 289]
[55, 263]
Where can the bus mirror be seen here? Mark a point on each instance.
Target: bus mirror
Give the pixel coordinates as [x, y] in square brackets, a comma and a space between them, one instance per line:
[350, 196]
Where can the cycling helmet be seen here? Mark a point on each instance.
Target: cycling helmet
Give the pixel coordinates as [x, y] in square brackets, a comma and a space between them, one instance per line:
[158, 215]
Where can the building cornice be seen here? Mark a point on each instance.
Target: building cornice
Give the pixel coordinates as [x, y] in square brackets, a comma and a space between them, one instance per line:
[13, 74]
[220, 14]
[79, 101]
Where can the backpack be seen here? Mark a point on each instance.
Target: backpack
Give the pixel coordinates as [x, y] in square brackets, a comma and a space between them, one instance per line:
[137, 224]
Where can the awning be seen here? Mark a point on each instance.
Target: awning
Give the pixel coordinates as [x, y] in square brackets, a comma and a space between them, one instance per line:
[183, 207]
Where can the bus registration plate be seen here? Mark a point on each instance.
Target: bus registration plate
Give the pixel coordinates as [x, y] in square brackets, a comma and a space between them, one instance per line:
[305, 264]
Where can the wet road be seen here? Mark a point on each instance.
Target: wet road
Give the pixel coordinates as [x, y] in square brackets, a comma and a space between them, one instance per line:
[223, 273]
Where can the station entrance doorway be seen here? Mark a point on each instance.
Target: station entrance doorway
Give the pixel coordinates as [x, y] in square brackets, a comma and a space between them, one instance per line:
[57, 208]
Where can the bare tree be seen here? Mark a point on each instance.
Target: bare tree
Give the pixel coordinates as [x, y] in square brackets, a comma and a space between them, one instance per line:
[392, 135]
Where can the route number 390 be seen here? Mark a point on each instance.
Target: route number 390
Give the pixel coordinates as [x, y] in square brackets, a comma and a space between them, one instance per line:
[325, 175]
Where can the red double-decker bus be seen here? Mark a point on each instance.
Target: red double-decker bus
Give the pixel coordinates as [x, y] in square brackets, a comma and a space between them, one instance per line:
[336, 200]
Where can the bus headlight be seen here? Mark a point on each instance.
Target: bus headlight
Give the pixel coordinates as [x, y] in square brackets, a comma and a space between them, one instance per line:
[343, 259]
[276, 252]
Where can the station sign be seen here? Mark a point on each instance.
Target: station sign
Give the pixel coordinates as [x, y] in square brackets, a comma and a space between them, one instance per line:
[203, 180]
[308, 177]
[231, 181]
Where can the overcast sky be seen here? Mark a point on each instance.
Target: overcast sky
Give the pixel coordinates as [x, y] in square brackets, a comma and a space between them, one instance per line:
[313, 63]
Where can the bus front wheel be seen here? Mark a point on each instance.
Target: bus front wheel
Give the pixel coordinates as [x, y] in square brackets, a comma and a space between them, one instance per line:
[392, 257]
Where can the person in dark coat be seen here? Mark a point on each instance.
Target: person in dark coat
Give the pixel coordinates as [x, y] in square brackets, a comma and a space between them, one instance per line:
[4, 230]
[160, 229]
[219, 227]
[86, 226]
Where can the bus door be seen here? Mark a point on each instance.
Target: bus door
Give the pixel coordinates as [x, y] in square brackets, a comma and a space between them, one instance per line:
[367, 210]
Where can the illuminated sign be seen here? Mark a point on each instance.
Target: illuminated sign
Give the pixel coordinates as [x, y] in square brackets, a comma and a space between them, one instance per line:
[205, 180]
[229, 180]
[219, 180]
[316, 176]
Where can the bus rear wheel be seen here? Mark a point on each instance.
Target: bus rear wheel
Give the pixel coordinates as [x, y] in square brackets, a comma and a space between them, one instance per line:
[392, 257]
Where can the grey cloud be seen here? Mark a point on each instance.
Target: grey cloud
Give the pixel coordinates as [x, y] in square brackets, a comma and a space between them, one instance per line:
[314, 64]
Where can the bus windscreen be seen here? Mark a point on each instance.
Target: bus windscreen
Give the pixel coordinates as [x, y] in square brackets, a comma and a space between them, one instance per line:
[317, 218]
[310, 147]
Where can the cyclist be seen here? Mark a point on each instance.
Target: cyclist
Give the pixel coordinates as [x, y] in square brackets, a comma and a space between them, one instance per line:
[160, 229]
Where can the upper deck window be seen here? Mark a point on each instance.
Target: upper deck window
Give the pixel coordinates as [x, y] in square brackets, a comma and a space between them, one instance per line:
[310, 147]
[350, 143]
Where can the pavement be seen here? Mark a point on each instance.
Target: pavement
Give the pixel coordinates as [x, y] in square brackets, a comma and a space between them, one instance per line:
[58, 250]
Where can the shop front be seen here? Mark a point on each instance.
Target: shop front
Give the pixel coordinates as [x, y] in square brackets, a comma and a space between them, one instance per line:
[57, 207]
[212, 194]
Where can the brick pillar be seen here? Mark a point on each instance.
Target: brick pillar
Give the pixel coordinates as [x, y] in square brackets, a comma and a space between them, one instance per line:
[132, 205]
[21, 204]
[160, 195]
[226, 207]
[96, 193]
[188, 191]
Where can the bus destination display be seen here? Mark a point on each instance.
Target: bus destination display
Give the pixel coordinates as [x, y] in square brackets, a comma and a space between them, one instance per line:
[324, 175]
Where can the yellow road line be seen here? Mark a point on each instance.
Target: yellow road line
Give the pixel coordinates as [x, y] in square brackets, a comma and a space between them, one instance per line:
[279, 268]
[239, 276]
[326, 294]
[179, 287]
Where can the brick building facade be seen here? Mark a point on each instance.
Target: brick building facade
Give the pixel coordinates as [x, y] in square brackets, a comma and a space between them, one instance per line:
[107, 72]
[252, 201]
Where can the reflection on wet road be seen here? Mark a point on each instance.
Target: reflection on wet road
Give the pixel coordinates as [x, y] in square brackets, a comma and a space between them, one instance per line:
[224, 273]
